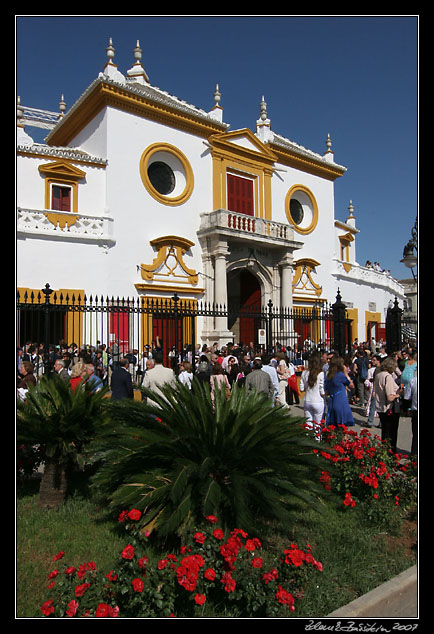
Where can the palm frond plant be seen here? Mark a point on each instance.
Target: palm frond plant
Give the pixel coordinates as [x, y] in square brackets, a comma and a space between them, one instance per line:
[181, 459]
[61, 422]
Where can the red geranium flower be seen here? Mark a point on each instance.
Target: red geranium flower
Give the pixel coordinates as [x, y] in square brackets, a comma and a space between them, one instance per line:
[138, 585]
[209, 574]
[102, 610]
[81, 589]
[199, 537]
[59, 555]
[128, 552]
[134, 514]
[72, 608]
[200, 599]
[285, 597]
[257, 562]
[229, 582]
[218, 533]
[47, 607]
[211, 519]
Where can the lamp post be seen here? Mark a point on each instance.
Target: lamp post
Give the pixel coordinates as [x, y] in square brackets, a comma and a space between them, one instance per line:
[409, 259]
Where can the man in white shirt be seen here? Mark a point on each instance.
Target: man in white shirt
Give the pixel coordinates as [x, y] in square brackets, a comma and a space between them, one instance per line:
[158, 376]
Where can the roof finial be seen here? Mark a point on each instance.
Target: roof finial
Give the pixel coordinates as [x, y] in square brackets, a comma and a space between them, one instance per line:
[351, 209]
[110, 51]
[216, 111]
[329, 143]
[62, 106]
[217, 95]
[138, 53]
[137, 73]
[263, 124]
[263, 106]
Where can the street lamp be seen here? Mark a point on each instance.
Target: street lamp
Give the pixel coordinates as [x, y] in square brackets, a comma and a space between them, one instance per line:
[409, 259]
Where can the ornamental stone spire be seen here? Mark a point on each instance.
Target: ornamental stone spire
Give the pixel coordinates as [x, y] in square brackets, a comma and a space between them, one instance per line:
[216, 111]
[137, 73]
[263, 124]
[329, 154]
[110, 69]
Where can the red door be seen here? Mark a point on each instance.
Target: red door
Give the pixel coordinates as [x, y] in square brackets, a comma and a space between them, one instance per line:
[240, 195]
[250, 303]
[119, 329]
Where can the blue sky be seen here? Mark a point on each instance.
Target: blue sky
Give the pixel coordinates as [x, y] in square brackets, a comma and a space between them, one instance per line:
[355, 77]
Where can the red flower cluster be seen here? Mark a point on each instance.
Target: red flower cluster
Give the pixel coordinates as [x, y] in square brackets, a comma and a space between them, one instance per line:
[187, 572]
[80, 590]
[285, 597]
[348, 500]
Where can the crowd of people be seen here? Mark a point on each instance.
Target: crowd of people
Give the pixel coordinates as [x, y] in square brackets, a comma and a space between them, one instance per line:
[384, 385]
[376, 267]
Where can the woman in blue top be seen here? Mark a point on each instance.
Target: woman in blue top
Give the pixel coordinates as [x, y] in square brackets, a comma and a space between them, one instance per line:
[335, 385]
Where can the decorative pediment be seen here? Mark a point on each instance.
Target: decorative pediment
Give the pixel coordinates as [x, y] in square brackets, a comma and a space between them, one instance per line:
[168, 265]
[303, 282]
[62, 170]
[244, 143]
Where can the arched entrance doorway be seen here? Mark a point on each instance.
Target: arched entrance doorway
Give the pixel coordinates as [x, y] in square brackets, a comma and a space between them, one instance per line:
[244, 305]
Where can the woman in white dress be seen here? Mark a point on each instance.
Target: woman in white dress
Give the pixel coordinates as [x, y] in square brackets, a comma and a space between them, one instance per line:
[312, 384]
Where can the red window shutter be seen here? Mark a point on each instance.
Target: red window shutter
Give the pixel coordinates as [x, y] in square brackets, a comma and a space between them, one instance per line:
[61, 198]
[240, 195]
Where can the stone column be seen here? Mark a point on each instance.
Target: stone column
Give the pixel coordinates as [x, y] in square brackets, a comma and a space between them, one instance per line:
[286, 282]
[222, 333]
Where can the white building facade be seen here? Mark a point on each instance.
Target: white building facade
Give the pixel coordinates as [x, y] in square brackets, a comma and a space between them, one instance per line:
[138, 193]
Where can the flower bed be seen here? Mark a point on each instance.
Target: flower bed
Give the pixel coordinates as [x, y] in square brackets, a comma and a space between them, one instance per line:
[212, 572]
[366, 473]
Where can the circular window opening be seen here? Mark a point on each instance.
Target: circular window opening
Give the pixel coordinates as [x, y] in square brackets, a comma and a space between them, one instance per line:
[296, 211]
[162, 177]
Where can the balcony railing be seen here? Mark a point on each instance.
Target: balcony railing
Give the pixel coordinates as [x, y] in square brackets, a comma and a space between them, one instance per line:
[57, 224]
[233, 224]
[369, 276]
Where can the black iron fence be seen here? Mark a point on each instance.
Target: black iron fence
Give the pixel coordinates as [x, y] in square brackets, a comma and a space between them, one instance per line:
[121, 326]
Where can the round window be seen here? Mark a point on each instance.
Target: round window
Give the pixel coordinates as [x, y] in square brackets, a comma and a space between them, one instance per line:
[301, 209]
[166, 174]
[161, 177]
[296, 210]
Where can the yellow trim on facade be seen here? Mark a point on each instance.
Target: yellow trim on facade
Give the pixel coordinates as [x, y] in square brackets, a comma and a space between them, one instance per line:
[305, 267]
[104, 94]
[305, 190]
[174, 248]
[143, 167]
[353, 314]
[170, 288]
[309, 165]
[61, 173]
[254, 162]
[74, 319]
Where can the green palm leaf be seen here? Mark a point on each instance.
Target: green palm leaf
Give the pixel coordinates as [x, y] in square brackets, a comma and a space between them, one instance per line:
[241, 461]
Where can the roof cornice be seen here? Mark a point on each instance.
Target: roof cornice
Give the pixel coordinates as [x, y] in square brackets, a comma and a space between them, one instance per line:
[145, 101]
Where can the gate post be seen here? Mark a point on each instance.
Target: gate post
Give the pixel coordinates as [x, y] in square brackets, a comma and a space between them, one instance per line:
[175, 311]
[270, 327]
[339, 317]
[47, 292]
[393, 328]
